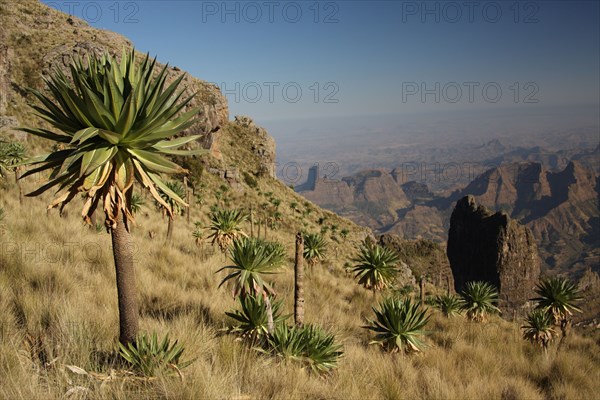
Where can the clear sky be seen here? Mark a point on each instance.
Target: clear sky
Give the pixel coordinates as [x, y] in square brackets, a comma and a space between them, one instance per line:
[309, 59]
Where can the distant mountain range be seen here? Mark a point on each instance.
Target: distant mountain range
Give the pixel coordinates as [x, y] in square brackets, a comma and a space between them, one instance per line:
[560, 205]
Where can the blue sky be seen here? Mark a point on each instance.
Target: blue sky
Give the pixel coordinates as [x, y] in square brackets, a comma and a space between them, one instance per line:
[353, 58]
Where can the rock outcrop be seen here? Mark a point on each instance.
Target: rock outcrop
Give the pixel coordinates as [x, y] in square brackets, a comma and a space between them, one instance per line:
[262, 145]
[324, 191]
[560, 208]
[492, 247]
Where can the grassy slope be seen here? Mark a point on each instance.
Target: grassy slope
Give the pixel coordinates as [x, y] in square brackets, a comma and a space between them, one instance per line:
[59, 303]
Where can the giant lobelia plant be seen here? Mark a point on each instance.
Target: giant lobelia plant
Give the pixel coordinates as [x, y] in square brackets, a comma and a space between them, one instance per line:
[115, 122]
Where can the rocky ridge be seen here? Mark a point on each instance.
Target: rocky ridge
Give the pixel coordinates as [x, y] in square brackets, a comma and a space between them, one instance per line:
[560, 207]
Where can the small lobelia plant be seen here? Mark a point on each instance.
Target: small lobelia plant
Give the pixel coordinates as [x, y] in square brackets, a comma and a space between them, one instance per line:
[252, 318]
[450, 305]
[252, 259]
[375, 266]
[480, 299]
[197, 233]
[309, 345]
[538, 328]
[137, 201]
[557, 296]
[150, 357]
[11, 155]
[225, 227]
[322, 353]
[174, 206]
[315, 246]
[399, 325]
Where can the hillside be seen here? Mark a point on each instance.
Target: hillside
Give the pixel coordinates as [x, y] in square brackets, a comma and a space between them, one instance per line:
[57, 279]
[35, 39]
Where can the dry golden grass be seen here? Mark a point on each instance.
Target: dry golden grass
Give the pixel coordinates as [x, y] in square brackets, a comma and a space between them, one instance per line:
[58, 302]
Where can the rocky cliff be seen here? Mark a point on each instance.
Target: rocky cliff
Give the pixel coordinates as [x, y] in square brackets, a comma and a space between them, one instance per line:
[373, 193]
[560, 207]
[492, 247]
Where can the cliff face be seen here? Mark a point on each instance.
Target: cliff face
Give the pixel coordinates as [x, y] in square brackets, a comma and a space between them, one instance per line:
[374, 193]
[561, 209]
[492, 247]
[246, 146]
[327, 192]
[374, 186]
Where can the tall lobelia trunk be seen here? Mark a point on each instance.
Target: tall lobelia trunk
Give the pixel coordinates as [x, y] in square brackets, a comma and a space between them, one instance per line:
[18, 182]
[251, 223]
[126, 289]
[266, 221]
[422, 290]
[187, 198]
[93, 220]
[565, 326]
[299, 281]
[169, 229]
